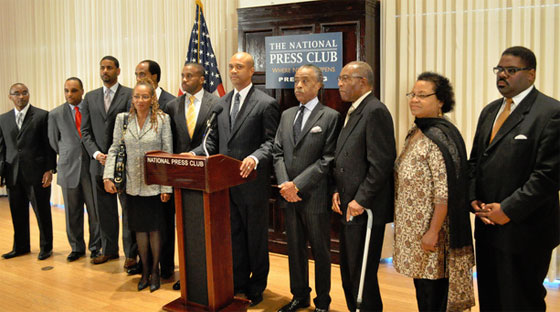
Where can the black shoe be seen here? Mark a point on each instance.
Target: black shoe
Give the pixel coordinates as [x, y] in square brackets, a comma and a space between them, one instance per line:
[143, 283]
[167, 275]
[295, 304]
[44, 255]
[94, 254]
[177, 285]
[73, 256]
[255, 299]
[154, 282]
[13, 254]
[134, 270]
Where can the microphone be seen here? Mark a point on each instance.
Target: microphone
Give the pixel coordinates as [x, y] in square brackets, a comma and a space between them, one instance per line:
[215, 112]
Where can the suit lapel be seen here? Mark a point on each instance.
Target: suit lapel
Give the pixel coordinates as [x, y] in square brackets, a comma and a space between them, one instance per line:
[26, 121]
[514, 118]
[181, 119]
[202, 116]
[289, 123]
[223, 118]
[117, 99]
[315, 115]
[350, 125]
[69, 120]
[244, 112]
[101, 106]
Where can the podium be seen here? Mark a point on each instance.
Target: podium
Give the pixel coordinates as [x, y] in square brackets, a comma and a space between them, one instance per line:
[201, 187]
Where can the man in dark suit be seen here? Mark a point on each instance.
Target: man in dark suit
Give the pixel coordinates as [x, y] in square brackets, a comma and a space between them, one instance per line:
[73, 170]
[27, 163]
[246, 130]
[101, 107]
[514, 188]
[151, 70]
[303, 152]
[192, 81]
[365, 153]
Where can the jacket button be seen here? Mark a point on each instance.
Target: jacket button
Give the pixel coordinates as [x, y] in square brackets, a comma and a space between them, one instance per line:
[485, 155]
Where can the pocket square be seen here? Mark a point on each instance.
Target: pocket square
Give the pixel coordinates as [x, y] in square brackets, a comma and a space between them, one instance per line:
[520, 137]
[316, 129]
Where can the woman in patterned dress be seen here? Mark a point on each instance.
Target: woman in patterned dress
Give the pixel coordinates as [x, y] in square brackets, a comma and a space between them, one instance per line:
[433, 242]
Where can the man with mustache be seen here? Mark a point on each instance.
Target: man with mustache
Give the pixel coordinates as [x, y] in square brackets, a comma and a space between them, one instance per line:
[27, 163]
[514, 187]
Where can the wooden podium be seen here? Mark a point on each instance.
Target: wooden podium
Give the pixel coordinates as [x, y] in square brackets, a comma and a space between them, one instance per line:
[201, 188]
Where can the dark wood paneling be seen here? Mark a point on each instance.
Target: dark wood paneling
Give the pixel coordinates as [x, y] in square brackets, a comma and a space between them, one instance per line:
[356, 19]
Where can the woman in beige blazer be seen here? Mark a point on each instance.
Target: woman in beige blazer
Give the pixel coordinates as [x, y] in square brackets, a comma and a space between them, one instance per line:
[148, 129]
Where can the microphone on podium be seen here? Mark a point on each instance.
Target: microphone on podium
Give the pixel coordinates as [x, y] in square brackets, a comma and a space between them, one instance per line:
[215, 112]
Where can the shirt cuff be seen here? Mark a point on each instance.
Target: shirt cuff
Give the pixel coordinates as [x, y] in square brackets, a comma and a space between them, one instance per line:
[95, 154]
[256, 161]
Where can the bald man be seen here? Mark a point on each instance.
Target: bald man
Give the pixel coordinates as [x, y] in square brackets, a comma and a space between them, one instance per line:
[246, 130]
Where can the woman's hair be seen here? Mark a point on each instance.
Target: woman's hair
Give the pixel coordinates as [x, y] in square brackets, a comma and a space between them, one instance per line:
[442, 88]
[154, 105]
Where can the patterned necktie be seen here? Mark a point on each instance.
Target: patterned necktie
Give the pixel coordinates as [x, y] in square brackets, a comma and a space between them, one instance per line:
[350, 111]
[108, 99]
[78, 116]
[19, 119]
[191, 117]
[501, 118]
[298, 124]
[234, 110]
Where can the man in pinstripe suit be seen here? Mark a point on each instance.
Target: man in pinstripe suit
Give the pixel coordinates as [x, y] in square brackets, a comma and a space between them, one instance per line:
[303, 152]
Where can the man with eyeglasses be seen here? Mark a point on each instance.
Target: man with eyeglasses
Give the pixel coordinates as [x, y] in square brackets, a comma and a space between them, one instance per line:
[514, 187]
[363, 172]
[27, 163]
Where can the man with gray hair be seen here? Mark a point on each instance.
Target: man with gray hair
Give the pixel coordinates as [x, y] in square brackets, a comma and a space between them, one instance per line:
[303, 153]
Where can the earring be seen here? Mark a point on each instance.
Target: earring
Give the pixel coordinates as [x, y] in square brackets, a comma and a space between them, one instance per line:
[440, 114]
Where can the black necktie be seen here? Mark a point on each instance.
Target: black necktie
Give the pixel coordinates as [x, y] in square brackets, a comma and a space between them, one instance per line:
[234, 110]
[298, 123]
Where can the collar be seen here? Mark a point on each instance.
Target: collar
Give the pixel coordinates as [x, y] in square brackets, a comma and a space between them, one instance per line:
[158, 92]
[113, 88]
[518, 98]
[244, 91]
[311, 104]
[357, 102]
[79, 105]
[198, 96]
[24, 110]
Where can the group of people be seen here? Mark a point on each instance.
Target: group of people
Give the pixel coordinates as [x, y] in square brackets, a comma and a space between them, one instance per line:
[322, 161]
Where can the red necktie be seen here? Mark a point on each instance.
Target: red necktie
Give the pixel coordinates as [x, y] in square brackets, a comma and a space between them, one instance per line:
[78, 120]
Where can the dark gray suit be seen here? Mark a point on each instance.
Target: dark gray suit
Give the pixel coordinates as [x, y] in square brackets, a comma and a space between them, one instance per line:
[520, 170]
[97, 135]
[164, 98]
[364, 159]
[25, 155]
[252, 134]
[74, 178]
[307, 163]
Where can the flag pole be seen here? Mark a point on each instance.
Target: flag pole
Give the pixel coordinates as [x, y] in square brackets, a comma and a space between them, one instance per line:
[199, 11]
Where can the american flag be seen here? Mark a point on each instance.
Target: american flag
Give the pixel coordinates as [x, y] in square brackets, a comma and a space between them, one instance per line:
[200, 51]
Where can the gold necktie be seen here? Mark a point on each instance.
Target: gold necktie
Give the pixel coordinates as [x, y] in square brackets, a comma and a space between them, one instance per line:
[350, 111]
[191, 117]
[501, 118]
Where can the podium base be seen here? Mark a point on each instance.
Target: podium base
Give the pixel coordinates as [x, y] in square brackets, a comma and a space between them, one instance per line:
[178, 305]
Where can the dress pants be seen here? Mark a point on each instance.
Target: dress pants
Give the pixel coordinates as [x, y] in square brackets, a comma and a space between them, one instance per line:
[352, 239]
[523, 273]
[74, 200]
[130, 246]
[249, 237]
[167, 258]
[431, 295]
[19, 197]
[303, 226]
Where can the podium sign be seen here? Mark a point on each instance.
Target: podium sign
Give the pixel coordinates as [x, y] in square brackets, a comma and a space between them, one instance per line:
[203, 226]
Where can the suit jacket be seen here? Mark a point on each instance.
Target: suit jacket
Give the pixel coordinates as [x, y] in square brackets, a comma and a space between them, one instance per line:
[252, 134]
[176, 110]
[308, 161]
[66, 142]
[519, 170]
[364, 160]
[97, 125]
[138, 142]
[164, 98]
[25, 154]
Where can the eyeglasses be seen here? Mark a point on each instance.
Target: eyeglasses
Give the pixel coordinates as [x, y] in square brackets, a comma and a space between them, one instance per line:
[346, 77]
[411, 95]
[509, 70]
[24, 93]
[143, 97]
